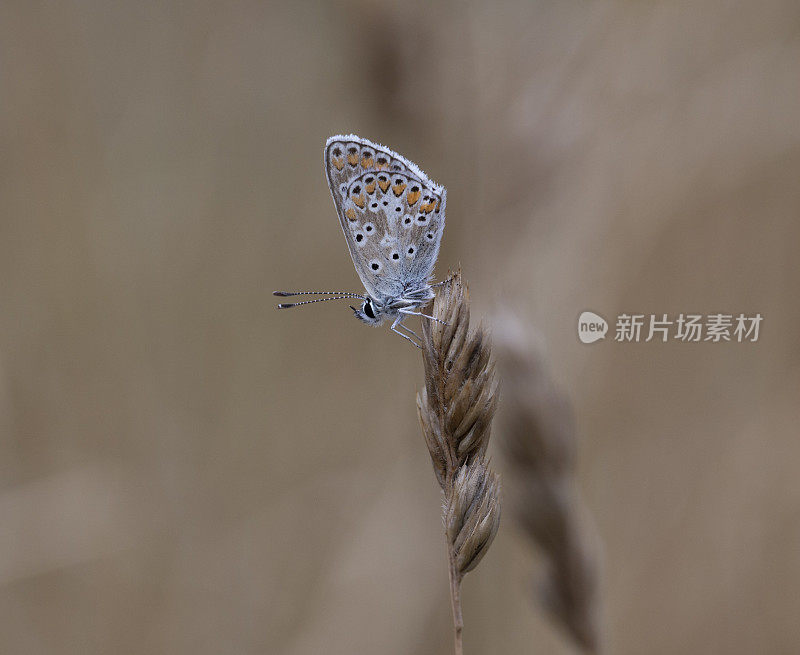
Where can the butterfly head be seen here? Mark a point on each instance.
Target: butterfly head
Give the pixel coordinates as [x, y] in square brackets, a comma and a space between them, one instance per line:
[370, 313]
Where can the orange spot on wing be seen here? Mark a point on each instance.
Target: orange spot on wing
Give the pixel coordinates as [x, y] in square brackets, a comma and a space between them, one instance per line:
[383, 183]
[412, 197]
[398, 189]
[351, 214]
[352, 156]
[338, 162]
[359, 200]
[370, 187]
[366, 162]
[427, 208]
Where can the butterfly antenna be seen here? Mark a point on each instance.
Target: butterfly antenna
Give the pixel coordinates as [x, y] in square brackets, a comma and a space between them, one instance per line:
[317, 293]
[287, 305]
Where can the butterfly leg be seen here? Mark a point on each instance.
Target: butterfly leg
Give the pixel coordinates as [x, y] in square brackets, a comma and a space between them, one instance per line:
[407, 329]
[408, 312]
[398, 323]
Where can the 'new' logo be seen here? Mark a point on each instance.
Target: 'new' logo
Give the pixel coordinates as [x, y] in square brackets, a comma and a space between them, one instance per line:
[591, 327]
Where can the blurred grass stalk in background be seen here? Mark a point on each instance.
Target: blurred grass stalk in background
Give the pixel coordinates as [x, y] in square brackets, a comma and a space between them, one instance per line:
[537, 436]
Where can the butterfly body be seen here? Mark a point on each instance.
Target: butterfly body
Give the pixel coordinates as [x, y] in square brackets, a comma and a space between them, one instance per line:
[375, 311]
[392, 216]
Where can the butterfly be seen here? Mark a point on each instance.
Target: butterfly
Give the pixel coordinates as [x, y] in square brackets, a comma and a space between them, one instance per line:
[392, 216]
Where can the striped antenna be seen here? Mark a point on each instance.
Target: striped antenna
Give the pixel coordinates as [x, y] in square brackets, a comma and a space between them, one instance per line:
[317, 293]
[287, 305]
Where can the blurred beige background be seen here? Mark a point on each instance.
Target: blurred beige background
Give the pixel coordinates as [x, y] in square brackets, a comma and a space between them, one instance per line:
[184, 469]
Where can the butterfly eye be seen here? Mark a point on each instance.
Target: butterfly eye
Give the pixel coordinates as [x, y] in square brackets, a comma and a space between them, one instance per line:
[368, 309]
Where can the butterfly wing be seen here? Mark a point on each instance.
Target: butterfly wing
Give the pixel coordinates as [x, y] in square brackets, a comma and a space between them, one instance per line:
[391, 213]
[423, 235]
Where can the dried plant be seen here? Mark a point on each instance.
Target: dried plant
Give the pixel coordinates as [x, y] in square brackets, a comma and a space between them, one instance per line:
[538, 438]
[455, 409]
